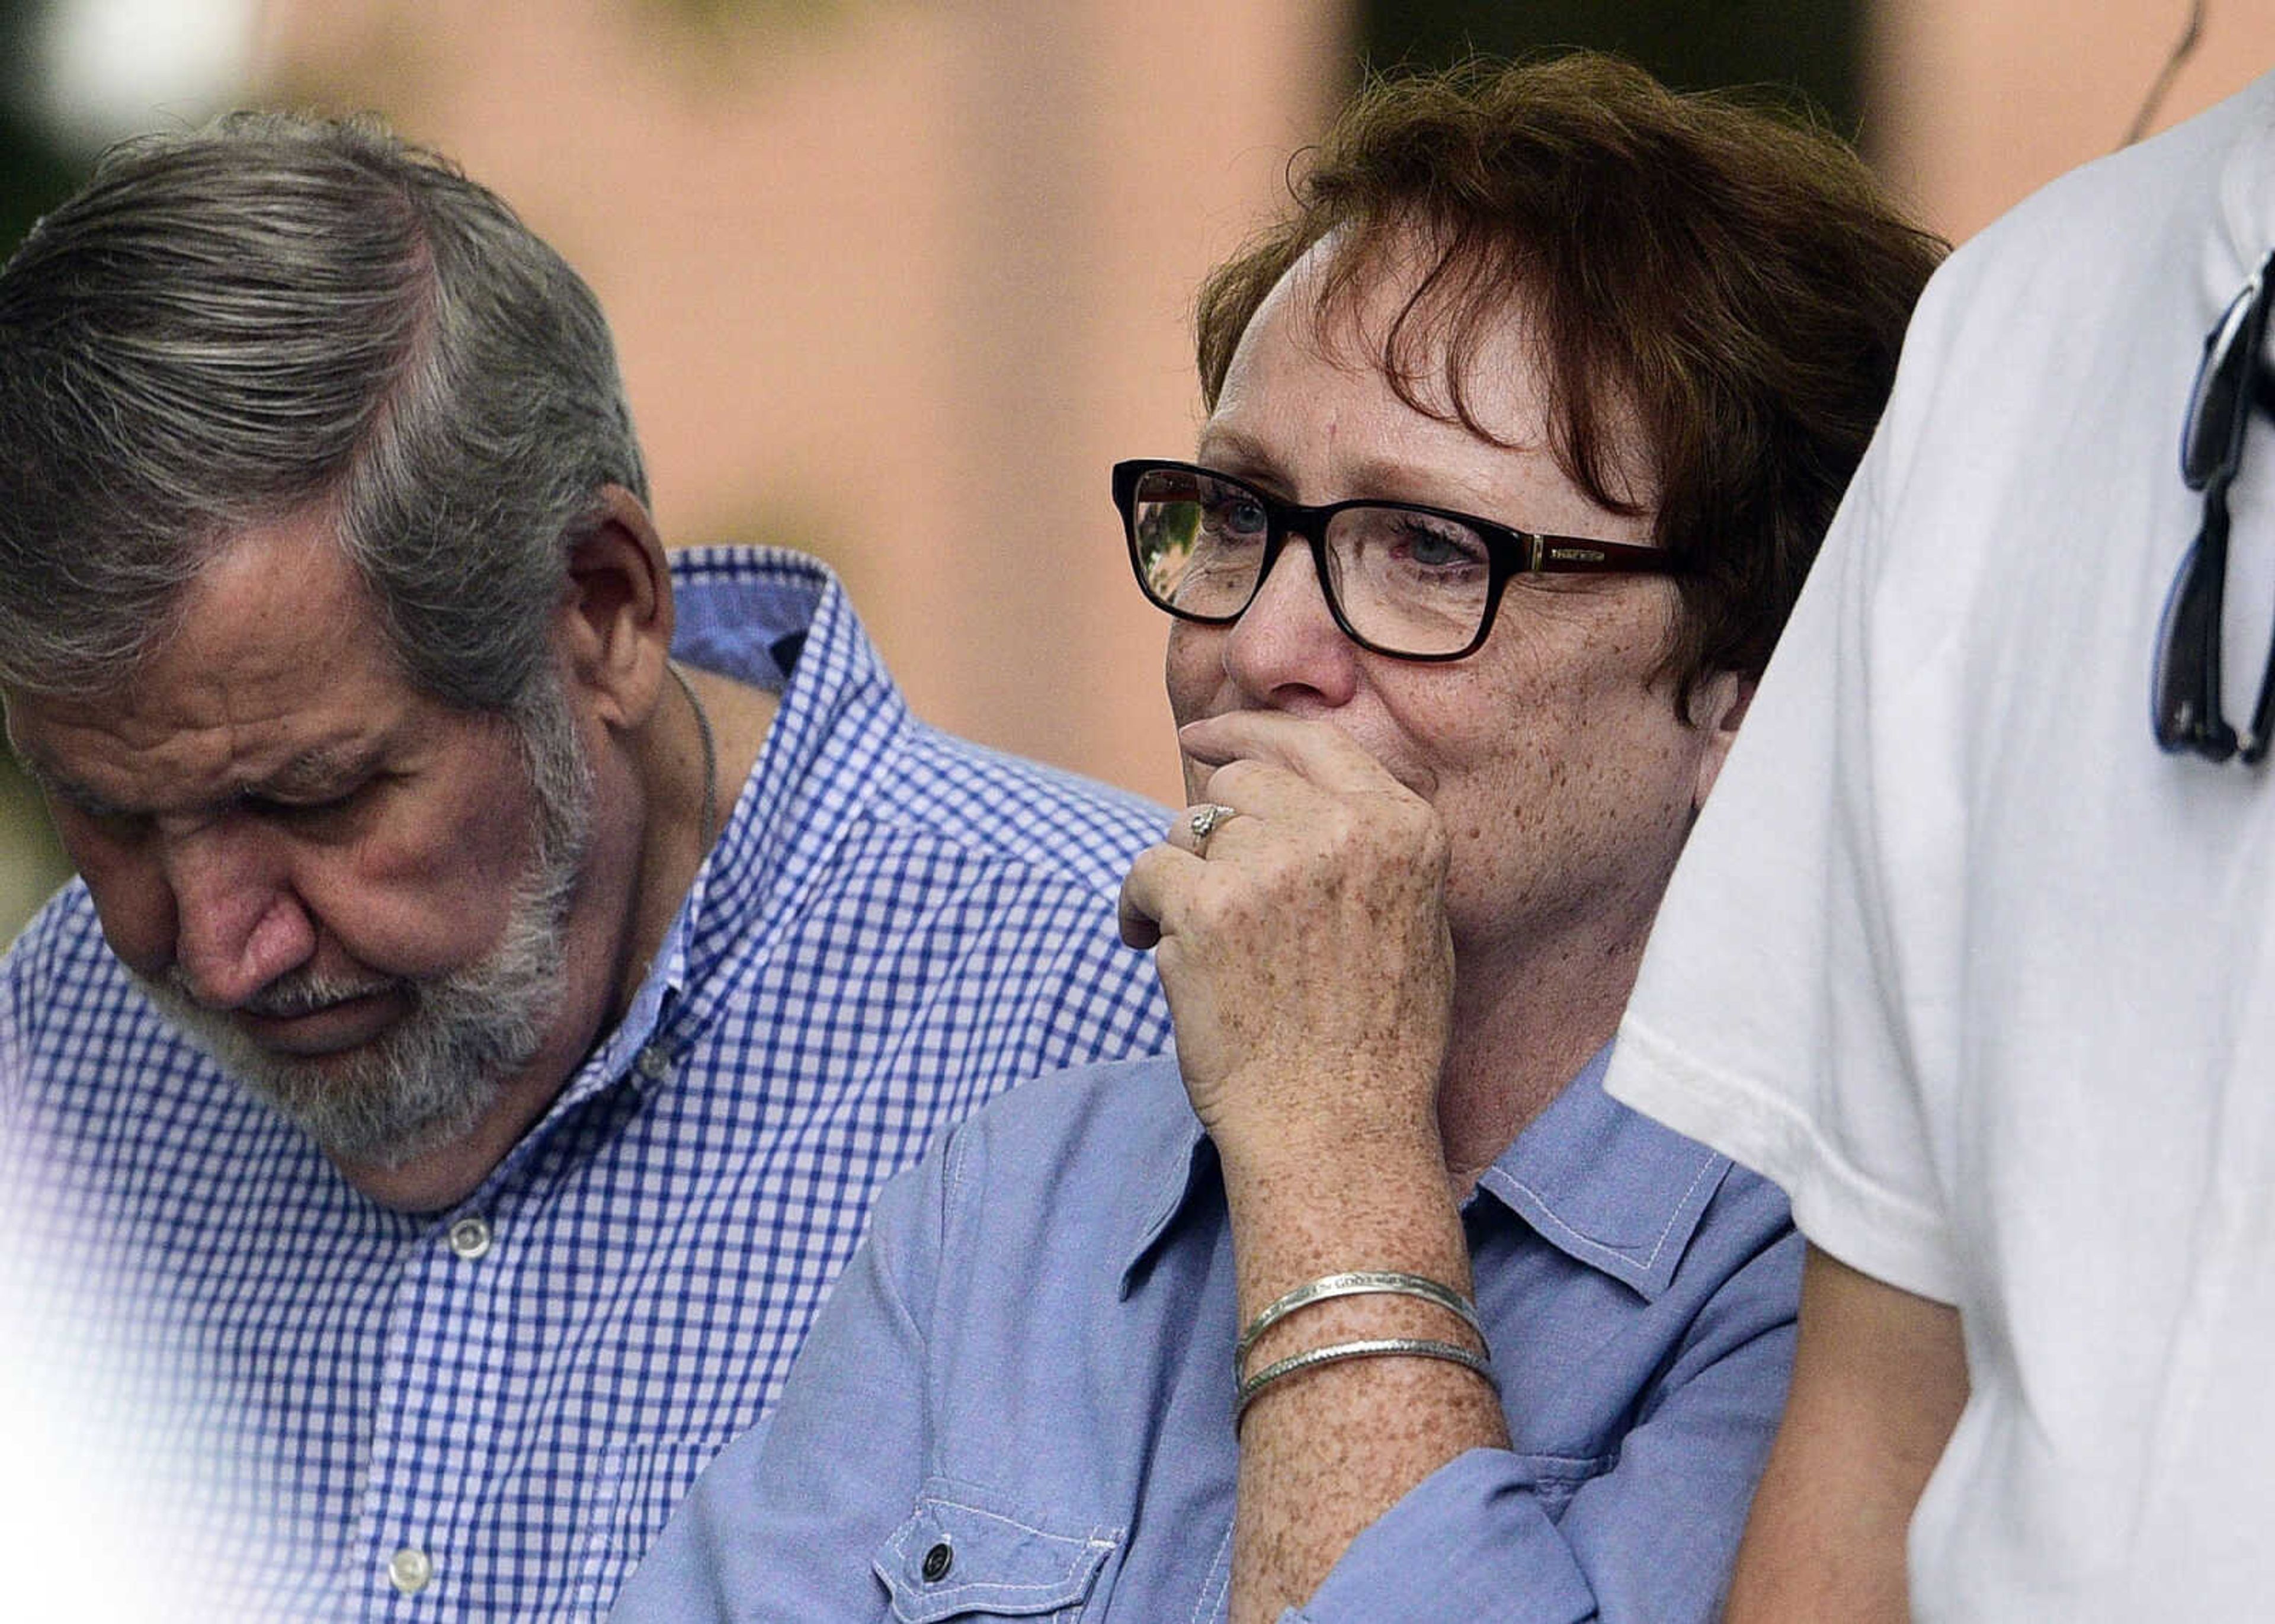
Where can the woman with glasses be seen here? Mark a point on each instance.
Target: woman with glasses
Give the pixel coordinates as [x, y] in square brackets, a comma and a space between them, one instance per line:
[1522, 427]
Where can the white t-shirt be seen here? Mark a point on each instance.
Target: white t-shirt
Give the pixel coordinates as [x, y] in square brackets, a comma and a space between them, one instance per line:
[1983, 978]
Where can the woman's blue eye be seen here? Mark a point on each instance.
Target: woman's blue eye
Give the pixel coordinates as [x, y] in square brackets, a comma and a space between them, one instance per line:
[1238, 517]
[1438, 547]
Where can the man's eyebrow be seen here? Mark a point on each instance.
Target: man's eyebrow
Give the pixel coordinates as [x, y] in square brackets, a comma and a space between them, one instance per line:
[314, 771]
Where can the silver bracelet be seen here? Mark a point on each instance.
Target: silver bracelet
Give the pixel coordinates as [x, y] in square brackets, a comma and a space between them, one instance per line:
[1357, 1282]
[1410, 1347]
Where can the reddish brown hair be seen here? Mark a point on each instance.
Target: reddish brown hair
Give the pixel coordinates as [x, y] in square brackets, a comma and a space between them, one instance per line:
[1727, 281]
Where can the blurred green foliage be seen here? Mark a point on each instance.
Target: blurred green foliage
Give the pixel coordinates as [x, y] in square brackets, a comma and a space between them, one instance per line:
[34, 176]
[1806, 49]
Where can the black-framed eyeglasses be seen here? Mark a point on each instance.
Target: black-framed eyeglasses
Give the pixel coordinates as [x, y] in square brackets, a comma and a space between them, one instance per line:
[1412, 582]
[2185, 702]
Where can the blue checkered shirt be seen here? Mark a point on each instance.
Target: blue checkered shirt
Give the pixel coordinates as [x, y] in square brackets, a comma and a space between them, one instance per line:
[345, 1412]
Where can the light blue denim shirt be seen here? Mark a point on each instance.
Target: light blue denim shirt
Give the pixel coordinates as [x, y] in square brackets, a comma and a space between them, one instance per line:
[1018, 1401]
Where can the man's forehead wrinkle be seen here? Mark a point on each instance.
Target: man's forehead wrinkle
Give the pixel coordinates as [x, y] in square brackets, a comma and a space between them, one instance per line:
[177, 747]
[265, 684]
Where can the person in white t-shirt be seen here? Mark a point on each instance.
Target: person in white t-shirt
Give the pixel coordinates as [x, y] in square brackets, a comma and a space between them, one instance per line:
[1974, 948]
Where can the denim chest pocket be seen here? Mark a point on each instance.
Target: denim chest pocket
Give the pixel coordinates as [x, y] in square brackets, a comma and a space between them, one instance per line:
[965, 1553]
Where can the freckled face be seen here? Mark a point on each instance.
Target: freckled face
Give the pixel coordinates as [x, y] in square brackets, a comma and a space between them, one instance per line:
[1564, 779]
[302, 852]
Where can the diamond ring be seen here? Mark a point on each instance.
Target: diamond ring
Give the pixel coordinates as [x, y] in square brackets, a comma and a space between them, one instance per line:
[1205, 820]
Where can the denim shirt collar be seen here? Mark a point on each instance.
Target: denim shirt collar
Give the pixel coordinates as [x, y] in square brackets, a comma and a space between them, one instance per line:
[1607, 1186]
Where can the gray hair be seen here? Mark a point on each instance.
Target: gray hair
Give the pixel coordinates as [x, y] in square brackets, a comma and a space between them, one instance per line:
[277, 312]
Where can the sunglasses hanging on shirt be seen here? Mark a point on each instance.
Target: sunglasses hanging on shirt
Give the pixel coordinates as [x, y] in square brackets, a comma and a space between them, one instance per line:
[2233, 379]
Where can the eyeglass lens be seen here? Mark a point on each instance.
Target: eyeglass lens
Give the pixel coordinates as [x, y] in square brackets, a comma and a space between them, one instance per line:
[1405, 581]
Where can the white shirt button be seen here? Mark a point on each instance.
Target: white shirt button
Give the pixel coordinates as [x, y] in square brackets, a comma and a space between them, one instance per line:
[410, 1571]
[471, 1238]
[653, 1064]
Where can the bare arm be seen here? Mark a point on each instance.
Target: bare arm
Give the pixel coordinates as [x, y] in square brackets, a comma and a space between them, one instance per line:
[1307, 965]
[1879, 1380]
[1325, 1453]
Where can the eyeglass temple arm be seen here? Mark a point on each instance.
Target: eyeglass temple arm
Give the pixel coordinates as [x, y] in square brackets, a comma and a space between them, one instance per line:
[1576, 554]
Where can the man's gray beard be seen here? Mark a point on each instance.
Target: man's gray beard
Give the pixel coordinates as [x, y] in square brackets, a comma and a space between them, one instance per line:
[427, 1078]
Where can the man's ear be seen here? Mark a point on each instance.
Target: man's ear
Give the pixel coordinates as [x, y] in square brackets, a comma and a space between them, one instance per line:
[616, 618]
[1718, 705]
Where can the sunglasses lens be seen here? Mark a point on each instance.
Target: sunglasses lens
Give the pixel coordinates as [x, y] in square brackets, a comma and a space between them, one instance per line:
[2217, 405]
[2186, 715]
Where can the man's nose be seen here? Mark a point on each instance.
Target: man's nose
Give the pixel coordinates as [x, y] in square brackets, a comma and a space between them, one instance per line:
[238, 924]
[1285, 648]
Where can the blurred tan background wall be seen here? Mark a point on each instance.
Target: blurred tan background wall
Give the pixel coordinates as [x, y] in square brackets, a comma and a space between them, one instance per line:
[1973, 104]
[896, 280]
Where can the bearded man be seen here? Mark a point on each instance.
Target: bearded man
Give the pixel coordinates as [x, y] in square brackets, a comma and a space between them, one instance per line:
[504, 960]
